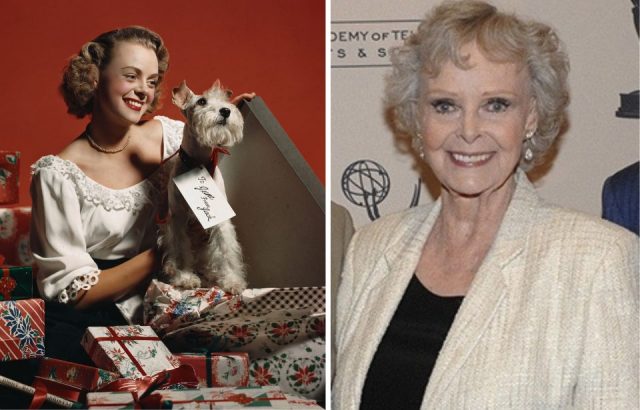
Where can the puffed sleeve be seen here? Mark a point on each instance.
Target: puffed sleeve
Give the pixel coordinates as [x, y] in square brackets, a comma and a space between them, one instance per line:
[609, 371]
[171, 135]
[57, 241]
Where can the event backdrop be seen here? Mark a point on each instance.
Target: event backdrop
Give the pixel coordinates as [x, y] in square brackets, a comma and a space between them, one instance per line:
[275, 48]
[603, 48]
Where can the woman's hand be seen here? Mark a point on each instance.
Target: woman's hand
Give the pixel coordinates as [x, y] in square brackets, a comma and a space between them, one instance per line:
[116, 282]
[244, 96]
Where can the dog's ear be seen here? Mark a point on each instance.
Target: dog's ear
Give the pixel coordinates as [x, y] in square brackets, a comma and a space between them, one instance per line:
[218, 88]
[181, 95]
[217, 84]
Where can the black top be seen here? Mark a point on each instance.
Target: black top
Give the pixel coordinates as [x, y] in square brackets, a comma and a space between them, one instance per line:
[401, 366]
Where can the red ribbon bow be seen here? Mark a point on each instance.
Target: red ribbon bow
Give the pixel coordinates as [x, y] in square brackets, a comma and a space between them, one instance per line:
[214, 157]
[141, 389]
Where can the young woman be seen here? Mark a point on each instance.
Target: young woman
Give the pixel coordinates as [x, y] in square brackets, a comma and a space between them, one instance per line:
[95, 203]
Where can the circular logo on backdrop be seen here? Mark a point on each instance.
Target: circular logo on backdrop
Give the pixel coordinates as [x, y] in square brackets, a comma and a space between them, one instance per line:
[366, 183]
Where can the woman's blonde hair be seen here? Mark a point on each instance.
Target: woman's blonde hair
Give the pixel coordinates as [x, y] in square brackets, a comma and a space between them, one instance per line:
[502, 38]
[80, 76]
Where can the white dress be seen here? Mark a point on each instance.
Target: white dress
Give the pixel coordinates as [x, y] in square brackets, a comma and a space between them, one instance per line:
[76, 220]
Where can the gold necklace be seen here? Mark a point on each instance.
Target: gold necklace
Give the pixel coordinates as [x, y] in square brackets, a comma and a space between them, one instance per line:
[106, 150]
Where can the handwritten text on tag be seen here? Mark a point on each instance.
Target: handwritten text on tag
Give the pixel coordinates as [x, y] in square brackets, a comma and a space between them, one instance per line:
[204, 197]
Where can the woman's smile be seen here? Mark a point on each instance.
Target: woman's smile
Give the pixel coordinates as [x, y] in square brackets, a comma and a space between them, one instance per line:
[135, 105]
[469, 160]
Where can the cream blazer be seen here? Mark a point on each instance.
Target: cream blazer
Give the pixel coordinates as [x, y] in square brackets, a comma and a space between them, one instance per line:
[549, 322]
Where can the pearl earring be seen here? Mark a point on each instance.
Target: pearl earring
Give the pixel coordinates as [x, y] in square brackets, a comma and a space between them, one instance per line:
[528, 153]
[417, 145]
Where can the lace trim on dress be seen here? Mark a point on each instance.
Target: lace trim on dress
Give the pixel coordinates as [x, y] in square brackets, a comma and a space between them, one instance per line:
[84, 282]
[131, 199]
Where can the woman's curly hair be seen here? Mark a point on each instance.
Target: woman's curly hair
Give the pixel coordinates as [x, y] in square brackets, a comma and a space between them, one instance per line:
[502, 38]
[80, 76]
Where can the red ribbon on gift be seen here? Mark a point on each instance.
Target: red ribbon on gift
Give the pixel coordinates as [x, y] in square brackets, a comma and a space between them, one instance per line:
[141, 389]
[45, 386]
[121, 339]
[39, 397]
[239, 398]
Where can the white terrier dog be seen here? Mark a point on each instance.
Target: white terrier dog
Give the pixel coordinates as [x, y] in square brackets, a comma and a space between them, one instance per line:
[192, 256]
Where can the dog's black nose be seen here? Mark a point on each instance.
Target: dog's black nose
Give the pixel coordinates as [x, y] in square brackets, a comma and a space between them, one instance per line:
[225, 112]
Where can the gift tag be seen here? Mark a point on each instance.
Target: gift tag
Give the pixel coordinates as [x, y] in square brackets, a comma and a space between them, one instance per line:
[204, 197]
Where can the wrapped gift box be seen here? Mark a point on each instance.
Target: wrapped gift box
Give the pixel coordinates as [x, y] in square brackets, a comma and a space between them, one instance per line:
[16, 282]
[223, 398]
[110, 400]
[130, 393]
[298, 368]
[282, 330]
[167, 308]
[9, 171]
[170, 311]
[301, 402]
[218, 369]
[132, 351]
[21, 329]
[66, 391]
[14, 236]
[205, 398]
[231, 398]
[73, 374]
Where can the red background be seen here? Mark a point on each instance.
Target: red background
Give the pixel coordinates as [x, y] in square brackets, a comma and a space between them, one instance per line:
[275, 48]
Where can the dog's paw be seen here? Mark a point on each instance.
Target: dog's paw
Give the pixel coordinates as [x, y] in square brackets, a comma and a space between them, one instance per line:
[233, 284]
[185, 280]
[169, 270]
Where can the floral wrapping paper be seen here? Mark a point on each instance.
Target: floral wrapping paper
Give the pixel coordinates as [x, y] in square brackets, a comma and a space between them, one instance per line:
[208, 398]
[74, 374]
[218, 369]
[21, 329]
[282, 330]
[14, 236]
[132, 351]
[9, 181]
[167, 308]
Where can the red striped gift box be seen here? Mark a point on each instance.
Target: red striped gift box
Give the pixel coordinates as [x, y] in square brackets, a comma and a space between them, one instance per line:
[21, 329]
[74, 374]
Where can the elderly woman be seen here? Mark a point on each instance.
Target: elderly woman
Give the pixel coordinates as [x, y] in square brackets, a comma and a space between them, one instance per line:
[490, 297]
